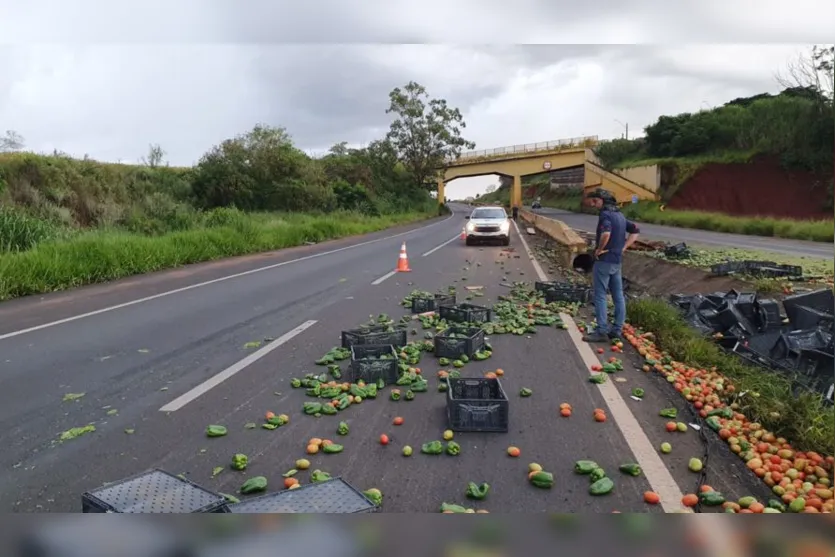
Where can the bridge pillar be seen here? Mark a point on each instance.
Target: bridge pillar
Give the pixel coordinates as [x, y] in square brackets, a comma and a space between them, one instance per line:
[441, 193]
[516, 192]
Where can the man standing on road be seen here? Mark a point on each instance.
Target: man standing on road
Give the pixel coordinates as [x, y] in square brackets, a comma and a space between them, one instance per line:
[615, 235]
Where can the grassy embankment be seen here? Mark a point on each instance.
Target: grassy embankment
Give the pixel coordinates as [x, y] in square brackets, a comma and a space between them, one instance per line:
[66, 223]
[804, 418]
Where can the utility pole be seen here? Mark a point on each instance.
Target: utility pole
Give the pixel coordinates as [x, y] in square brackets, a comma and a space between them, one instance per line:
[626, 126]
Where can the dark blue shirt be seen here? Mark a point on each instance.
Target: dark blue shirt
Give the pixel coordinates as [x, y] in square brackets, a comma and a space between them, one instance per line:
[618, 227]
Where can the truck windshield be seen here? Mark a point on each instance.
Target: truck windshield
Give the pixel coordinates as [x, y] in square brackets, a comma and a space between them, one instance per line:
[489, 214]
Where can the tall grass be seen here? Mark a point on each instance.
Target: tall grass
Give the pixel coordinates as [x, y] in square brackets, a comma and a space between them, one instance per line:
[100, 255]
[818, 231]
[803, 419]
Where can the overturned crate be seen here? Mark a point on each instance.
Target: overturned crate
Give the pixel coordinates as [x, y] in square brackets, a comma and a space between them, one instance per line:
[372, 362]
[423, 305]
[477, 405]
[456, 341]
[328, 497]
[568, 293]
[375, 334]
[466, 313]
[154, 492]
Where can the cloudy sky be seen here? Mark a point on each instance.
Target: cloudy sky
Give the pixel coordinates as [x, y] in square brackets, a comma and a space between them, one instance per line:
[104, 79]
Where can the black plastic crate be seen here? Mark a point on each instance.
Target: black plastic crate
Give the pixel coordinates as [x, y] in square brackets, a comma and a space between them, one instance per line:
[822, 300]
[543, 286]
[448, 346]
[477, 404]
[804, 317]
[571, 293]
[768, 314]
[154, 491]
[423, 305]
[375, 334]
[329, 497]
[366, 363]
[465, 313]
[746, 304]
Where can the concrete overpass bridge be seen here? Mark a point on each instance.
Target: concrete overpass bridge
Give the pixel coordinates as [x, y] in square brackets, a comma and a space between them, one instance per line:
[517, 161]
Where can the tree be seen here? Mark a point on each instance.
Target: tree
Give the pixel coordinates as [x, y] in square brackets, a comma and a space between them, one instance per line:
[425, 133]
[814, 70]
[12, 141]
[490, 189]
[155, 157]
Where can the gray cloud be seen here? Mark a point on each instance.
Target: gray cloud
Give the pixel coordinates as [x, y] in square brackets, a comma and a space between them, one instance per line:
[228, 69]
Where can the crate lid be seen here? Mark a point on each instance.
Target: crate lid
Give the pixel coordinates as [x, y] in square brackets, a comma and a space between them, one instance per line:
[156, 491]
[332, 496]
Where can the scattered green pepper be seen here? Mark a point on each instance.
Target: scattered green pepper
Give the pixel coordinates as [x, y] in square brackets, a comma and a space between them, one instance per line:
[603, 486]
[668, 413]
[631, 468]
[258, 483]
[585, 467]
[311, 408]
[448, 508]
[342, 429]
[453, 448]
[215, 431]
[477, 491]
[525, 392]
[410, 395]
[240, 461]
[295, 382]
[711, 498]
[318, 476]
[638, 392]
[597, 474]
[433, 447]
[332, 448]
[598, 378]
[395, 394]
[374, 495]
[542, 480]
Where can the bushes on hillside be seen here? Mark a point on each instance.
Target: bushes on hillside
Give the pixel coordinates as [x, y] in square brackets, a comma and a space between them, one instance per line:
[797, 125]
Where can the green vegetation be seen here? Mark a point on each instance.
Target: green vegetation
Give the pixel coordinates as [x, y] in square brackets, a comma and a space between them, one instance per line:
[798, 126]
[803, 418]
[67, 222]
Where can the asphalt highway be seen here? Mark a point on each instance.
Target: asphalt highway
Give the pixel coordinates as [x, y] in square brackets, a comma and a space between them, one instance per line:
[218, 343]
[818, 250]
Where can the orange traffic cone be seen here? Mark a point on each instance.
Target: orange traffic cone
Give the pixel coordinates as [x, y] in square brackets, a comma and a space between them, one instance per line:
[403, 261]
[463, 234]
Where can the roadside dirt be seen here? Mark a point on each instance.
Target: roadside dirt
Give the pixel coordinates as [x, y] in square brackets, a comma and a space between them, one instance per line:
[757, 188]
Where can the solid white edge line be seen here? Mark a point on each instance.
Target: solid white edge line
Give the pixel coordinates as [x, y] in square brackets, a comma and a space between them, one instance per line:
[207, 283]
[436, 248]
[655, 470]
[384, 277]
[715, 532]
[216, 380]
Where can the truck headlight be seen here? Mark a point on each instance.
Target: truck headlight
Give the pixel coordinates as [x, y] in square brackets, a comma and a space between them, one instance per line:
[505, 226]
[470, 227]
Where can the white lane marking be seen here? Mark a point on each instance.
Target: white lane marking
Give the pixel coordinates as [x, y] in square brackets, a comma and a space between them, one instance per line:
[216, 380]
[207, 283]
[436, 248]
[384, 277]
[655, 470]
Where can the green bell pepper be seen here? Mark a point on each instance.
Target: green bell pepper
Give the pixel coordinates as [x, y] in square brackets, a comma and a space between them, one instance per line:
[711, 498]
[215, 431]
[374, 495]
[598, 378]
[333, 448]
[448, 508]
[239, 461]
[410, 395]
[342, 429]
[311, 408]
[524, 391]
[542, 480]
[453, 448]
[252, 485]
[597, 474]
[631, 468]
[318, 476]
[668, 413]
[433, 448]
[585, 467]
[477, 491]
[603, 486]
[395, 394]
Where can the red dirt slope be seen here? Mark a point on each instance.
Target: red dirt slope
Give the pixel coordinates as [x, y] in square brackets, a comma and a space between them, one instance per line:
[757, 188]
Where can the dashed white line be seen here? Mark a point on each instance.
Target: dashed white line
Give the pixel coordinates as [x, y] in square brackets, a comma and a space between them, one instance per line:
[216, 380]
[436, 248]
[208, 282]
[384, 277]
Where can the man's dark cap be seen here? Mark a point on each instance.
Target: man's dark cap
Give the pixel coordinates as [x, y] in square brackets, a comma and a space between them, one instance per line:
[606, 196]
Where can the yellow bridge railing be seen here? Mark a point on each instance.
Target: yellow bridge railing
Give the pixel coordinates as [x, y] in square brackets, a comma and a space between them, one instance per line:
[574, 142]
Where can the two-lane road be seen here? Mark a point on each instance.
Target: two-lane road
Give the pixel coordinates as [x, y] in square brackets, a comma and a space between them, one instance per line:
[159, 357]
[818, 250]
